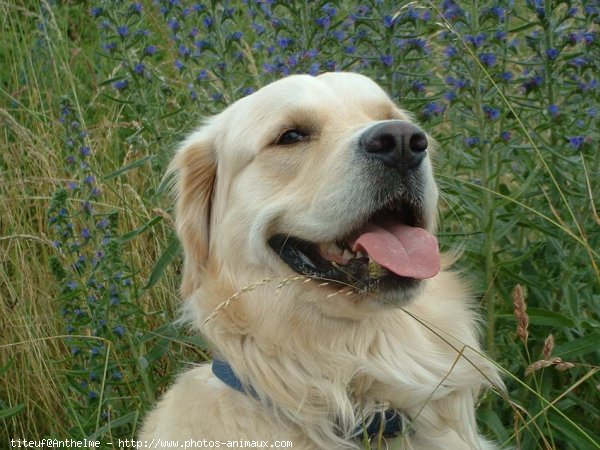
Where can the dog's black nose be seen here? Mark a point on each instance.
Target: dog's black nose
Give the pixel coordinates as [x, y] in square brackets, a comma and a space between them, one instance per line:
[396, 143]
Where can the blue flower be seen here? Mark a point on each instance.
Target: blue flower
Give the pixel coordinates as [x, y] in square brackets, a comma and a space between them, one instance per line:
[387, 60]
[120, 330]
[150, 50]
[418, 86]
[96, 11]
[491, 113]
[85, 233]
[450, 96]
[121, 85]
[472, 141]
[208, 21]
[258, 28]
[450, 51]
[117, 375]
[507, 76]
[477, 41]
[174, 25]
[434, 108]
[498, 11]
[311, 54]
[488, 59]
[390, 21]
[179, 64]
[323, 22]
[103, 224]
[136, 8]
[329, 9]
[109, 47]
[90, 179]
[184, 51]
[123, 31]
[553, 110]
[93, 395]
[283, 42]
[576, 142]
[139, 68]
[552, 53]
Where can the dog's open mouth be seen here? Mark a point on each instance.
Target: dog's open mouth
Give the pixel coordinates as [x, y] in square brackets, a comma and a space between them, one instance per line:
[389, 250]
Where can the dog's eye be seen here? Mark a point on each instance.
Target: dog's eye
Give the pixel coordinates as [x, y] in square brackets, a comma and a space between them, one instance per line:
[292, 136]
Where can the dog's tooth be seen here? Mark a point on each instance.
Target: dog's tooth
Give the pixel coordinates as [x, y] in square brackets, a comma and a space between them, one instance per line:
[333, 248]
[347, 255]
[360, 254]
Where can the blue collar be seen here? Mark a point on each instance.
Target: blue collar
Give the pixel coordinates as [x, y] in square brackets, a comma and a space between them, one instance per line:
[390, 423]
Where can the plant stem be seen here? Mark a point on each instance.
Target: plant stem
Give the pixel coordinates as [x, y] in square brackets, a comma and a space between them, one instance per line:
[487, 170]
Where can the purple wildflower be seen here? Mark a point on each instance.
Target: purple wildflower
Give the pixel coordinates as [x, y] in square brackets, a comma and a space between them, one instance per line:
[488, 59]
[121, 84]
[123, 31]
[472, 141]
[552, 53]
[491, 113]
[387, 60]
[576, 142]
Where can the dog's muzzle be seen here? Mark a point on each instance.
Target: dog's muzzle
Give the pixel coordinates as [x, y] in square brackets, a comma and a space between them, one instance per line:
[397, 144]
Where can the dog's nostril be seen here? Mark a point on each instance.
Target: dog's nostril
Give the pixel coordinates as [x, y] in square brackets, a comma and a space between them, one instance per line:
[418, 142]
[383, 143]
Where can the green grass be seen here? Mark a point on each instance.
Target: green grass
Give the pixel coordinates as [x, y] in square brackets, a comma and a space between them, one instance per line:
[86, 348]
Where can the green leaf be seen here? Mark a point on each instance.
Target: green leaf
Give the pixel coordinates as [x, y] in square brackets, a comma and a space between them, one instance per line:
[158, 350]
[131, 417]
[578, 437]
[133, 233]
[539, 316]
[9, 412]
[128, 167]
[171, 252]
[494, 423]
[579, 347]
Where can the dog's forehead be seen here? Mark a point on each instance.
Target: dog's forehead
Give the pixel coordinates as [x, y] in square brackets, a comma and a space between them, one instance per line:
[338, 87]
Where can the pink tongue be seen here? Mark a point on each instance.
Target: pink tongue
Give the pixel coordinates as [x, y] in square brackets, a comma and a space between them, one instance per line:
[407, 251]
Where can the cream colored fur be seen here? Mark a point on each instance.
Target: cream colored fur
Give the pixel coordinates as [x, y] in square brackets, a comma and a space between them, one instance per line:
[321, 362]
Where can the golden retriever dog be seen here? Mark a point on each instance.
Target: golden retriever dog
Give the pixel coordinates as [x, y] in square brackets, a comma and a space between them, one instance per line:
[307, 213]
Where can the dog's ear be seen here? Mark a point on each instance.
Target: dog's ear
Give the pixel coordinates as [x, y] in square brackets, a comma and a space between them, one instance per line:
[194, 168]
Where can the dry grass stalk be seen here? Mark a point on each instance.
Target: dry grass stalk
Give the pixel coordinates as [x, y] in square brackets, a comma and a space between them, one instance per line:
[548, 346]
[555, 361]
[521, 313]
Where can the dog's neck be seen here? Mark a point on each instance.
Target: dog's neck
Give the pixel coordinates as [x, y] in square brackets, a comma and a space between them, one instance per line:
[389, 423]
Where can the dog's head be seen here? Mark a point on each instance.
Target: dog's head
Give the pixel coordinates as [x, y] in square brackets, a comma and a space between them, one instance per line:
[322, 178]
